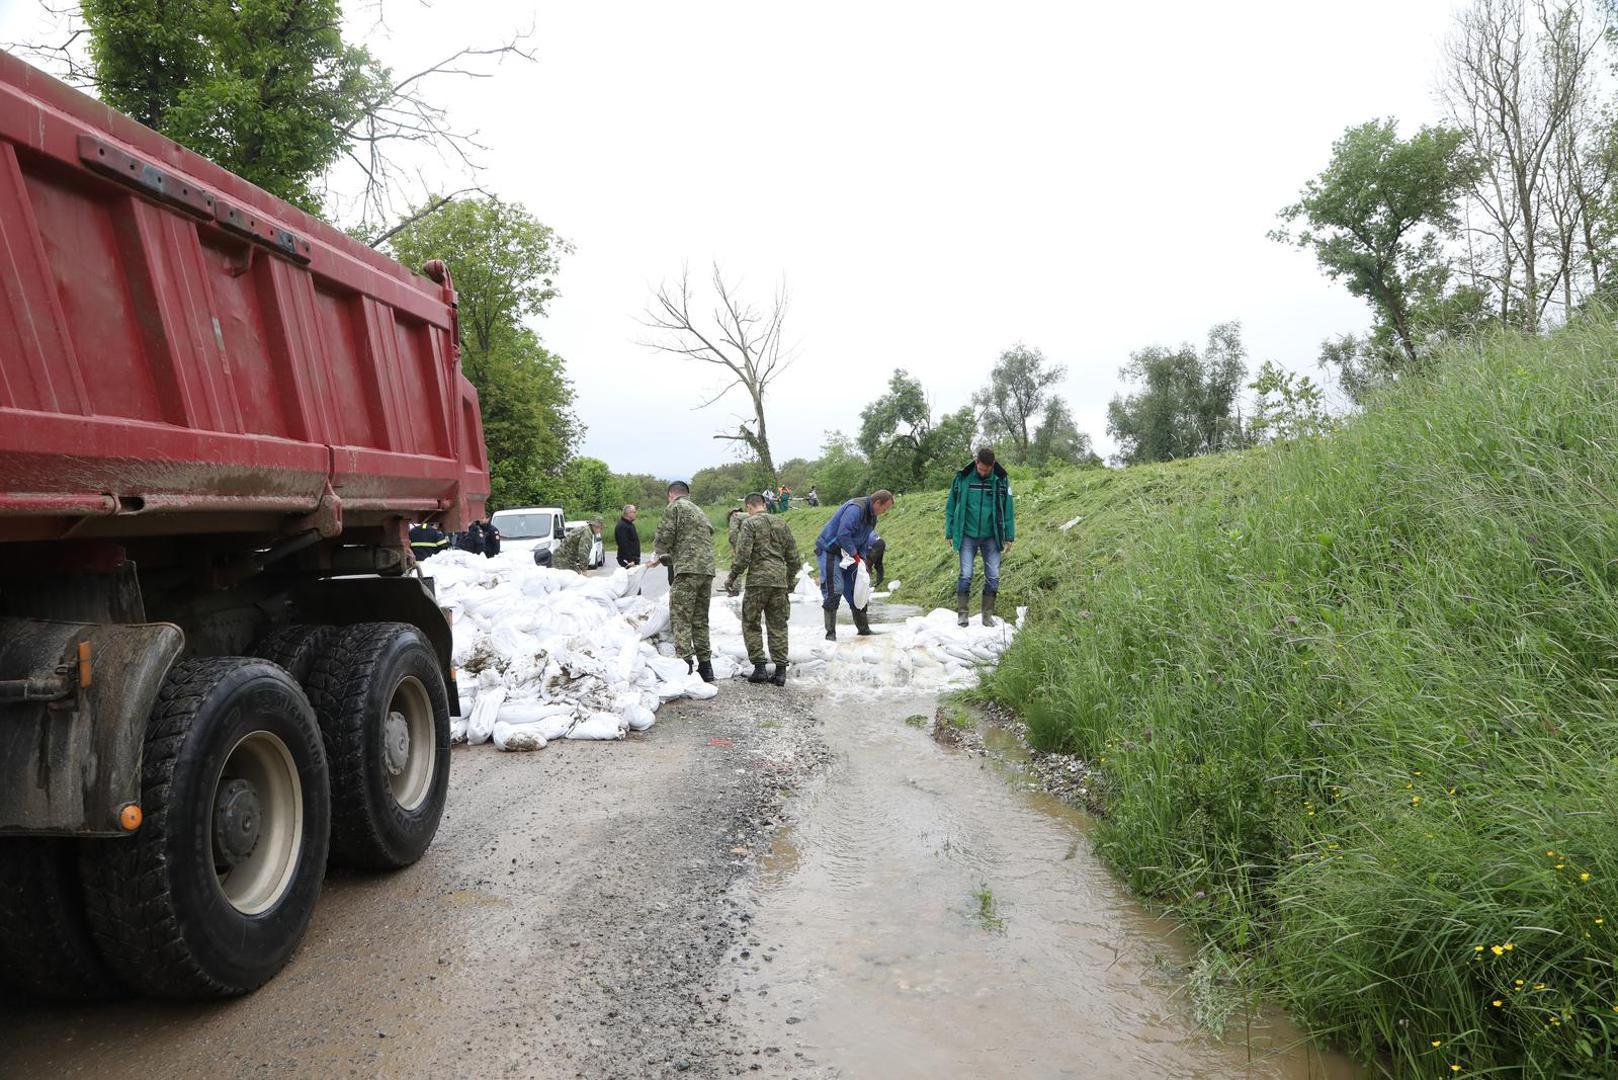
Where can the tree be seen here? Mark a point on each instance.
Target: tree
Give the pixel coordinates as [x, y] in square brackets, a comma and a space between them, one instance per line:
[1288, 406]
[737, 338]
[1519, 83]
[269, 90]
[1018, 393]
[1375, 219]
[503, 263]
[1186, 404]
[842, 472]
[503, 260]
[1058, 441]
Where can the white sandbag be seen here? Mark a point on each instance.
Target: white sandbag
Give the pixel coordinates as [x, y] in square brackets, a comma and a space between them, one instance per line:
[457, 731]
[515, 737]
[862, 585]
[697, 690]
[480, 725]
[601, 725]
[638, 718]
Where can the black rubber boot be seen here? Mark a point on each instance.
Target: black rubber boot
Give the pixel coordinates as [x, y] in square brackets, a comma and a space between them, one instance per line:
[760, 674]
[862, 622]
[831, 623]
[988, 608]
[705, 669]
[963, 606]
[780, 676]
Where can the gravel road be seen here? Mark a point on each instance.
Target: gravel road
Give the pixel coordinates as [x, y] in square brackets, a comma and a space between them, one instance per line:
[569, 921]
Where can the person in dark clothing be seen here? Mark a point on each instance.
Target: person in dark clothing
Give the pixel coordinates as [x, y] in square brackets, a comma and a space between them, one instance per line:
[627, 539]
[879, 548]
[491, 540]
[471, 541]
[427, 540]
[847, 536]
[980, 519]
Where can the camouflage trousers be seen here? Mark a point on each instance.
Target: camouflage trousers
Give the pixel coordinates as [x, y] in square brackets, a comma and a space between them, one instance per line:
[774, 607]
[688, 611]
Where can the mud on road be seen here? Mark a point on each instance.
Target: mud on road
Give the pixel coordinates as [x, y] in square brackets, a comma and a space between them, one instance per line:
[569, 920]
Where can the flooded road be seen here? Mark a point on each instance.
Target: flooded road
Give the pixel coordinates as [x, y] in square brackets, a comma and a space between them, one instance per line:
[923, 918]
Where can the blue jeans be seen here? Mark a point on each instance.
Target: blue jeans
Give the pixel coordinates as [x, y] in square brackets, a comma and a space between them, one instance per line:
[970, 547]
[835, 582]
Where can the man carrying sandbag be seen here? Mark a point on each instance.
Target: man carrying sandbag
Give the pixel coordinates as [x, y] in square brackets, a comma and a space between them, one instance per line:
[847, 539]
[979, 519]
[768, 554]
[574, 554]
[684, 541]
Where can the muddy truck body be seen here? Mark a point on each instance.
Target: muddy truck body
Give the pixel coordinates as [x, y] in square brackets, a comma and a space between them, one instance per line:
[218, 666]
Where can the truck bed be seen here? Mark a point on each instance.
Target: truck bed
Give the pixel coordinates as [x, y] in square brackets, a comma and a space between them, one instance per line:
[182, 352]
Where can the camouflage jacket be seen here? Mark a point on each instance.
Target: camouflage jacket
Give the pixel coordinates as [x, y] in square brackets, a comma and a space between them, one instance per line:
[766, 552]
[574, 552]
[685, 536]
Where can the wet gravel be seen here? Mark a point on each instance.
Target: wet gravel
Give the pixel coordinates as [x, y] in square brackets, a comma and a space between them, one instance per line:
[570, 920]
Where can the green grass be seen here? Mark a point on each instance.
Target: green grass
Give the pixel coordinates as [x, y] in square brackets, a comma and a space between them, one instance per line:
[987, 912]
[1111, 503]
[1355, 703]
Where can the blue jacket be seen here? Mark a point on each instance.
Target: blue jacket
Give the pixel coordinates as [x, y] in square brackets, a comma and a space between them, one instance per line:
[849, 530]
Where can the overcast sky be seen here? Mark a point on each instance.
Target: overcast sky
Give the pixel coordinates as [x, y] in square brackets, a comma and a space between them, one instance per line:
[934, 181]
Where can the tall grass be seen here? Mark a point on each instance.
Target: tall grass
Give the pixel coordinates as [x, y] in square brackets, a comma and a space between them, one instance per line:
[1356, 710]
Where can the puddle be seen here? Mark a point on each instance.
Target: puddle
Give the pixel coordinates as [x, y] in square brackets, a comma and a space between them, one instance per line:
[924, 918]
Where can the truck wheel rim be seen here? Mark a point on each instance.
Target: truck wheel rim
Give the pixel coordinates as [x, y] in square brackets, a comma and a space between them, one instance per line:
[257, 823]
[410, 749]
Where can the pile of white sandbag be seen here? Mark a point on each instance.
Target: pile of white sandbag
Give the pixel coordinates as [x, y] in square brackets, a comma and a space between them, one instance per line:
[546, 654]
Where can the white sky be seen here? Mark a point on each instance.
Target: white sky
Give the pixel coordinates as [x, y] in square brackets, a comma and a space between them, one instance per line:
[934, 180]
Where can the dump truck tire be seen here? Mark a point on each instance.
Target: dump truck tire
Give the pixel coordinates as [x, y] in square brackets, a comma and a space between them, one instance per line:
[46, 949]
[213, 893]
[379, 693]
[295, 647]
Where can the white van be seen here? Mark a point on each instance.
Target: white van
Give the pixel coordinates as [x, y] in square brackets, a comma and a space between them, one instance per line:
[538, 529]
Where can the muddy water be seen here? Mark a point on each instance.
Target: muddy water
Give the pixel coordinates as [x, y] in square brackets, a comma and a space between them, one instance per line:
[926, 918]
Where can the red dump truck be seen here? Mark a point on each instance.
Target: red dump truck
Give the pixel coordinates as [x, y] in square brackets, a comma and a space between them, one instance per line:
[218, 417]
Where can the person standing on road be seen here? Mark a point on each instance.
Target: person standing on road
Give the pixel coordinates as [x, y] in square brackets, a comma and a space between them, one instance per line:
[626, 538]
[767, 553]
[733, 521]
[979, 518]
[574, 554]
[427, 540]
[684, 541]
[786, 499]
[846, 539]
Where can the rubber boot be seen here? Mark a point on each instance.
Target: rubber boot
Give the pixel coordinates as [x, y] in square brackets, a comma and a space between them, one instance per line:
[780, 676]
[831, 623]
[705, 669]
[988, 608]
[760, 674]
[690, 664]
[963, 606]
[862, 622]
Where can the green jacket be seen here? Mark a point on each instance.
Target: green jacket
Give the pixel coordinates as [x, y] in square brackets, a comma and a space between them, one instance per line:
[1005, 518]
[766, 552]
[574, 551]
[685, 536]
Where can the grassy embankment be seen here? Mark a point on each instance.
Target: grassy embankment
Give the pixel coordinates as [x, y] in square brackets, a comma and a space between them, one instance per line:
[1355, 707]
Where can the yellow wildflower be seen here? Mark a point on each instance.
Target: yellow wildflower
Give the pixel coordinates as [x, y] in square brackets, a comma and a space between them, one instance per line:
[1496, 1003]
[1497, 950]
[1599, 922]
[1509, 946]
[1415, 800]
[1477, 948]
[1437, 1043]
[1584, 876]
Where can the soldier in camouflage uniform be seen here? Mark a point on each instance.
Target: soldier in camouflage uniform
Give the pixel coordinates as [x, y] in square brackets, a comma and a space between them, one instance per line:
[767, 553]
[684, 540]
[574, 554]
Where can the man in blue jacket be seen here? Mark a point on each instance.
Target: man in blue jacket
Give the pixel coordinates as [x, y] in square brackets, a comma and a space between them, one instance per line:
[847, 536]
[979, 519]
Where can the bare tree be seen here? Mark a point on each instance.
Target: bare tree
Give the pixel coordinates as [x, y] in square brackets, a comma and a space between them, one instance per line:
[736, 337]
[1518, 81]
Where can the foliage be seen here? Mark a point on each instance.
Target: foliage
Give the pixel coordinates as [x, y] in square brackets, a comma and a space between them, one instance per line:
[1376, 218]
[726, 483]
[1288, 406]
[1352, 704]
[842, 471]
[907, 451]
[1016, 397]
[1058, 441]
[528, 423]
[503, 260]
[265, 88]
[1186, 404]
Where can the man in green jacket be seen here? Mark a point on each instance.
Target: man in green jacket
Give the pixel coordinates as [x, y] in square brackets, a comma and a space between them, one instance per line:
[574, 552]
[768, 554]
[978, 518]
[684, 540]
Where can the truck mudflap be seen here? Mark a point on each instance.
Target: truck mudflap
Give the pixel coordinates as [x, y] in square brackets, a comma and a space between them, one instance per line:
[74, 698]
